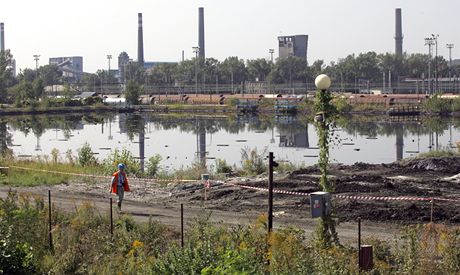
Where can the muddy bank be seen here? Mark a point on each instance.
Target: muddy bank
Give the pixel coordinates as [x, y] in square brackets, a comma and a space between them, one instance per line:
[417, 178]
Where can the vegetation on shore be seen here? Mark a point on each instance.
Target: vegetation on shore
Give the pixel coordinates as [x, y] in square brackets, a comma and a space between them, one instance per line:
[39, 170]
[82, 244]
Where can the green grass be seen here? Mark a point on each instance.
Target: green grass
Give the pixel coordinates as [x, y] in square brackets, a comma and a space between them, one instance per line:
[438, 154]
[83, 245]
[23, 177]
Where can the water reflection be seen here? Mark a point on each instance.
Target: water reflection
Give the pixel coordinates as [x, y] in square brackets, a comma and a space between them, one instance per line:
[184, 139]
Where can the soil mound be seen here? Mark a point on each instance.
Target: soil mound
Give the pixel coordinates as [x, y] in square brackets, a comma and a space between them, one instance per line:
[445, 165]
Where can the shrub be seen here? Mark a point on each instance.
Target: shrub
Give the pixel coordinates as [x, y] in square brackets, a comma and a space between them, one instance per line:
[86, 155]
[222, 167]
[342, 105]
[15, 257]
[124, 156]
[436, 104]
[152, 165]
[253, 162]
[55, 155]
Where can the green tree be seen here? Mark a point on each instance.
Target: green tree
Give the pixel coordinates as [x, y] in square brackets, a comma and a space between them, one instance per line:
[91, 82]
[50, 75]
[289, 70]
[162, 74]
[132, 92]
[258, 69]
[6, 76]
[234, 69]
[38, 88]
[135, 72]
[184, 72]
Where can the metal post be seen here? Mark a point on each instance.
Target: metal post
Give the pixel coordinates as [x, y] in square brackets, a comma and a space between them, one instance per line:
[431, 215]
[196, 50]
[450, 46]
[181, 225]
[111, 218]
[49, 219]
[359, 243]
[435, 37]
[270, 192]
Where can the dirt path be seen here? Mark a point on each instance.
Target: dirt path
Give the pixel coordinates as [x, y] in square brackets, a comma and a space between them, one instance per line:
[169, 213]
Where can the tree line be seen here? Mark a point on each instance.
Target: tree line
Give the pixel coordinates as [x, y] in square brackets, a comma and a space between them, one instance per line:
[370, 66]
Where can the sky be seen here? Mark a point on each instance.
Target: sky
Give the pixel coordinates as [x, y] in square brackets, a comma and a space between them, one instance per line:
[244, 28]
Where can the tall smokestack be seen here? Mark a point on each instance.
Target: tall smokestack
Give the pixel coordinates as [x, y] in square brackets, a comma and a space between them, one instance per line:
[2, 37]
[140, 42]
[201, 32]
[398, 34]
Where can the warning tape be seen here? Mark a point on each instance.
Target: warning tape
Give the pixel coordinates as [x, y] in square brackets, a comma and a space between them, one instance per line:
[350, 197]
[373, 198]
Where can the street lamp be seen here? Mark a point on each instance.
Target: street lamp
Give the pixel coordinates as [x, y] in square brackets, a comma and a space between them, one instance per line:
[36, 58]
[435, 39]
[450, 46]
[271, 51]
[196, 50]
[429, 42]
[109, 56]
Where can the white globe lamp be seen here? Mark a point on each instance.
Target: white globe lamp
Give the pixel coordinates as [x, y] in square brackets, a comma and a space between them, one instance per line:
[322, 82]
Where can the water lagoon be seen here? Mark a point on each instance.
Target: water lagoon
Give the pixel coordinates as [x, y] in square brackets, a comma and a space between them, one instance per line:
[183, 140]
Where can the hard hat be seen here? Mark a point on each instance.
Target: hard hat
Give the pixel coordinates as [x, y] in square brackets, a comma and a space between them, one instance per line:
[121, 166]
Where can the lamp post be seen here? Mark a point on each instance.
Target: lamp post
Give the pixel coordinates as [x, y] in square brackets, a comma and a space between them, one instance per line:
[109, 56]
[196, 50]
[36, 58]
[429, 42]
[435, 39]
[231, 73]
[450, 46]
[323, 105]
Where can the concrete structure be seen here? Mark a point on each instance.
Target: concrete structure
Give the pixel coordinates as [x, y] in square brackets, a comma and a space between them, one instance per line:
[123, 61]
[2, 37]
[71, 67]
[201, 33]
[140, 41]
[398, 33]
[294, 45]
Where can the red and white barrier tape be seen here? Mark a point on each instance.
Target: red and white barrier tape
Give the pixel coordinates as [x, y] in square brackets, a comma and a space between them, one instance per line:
[371, 198]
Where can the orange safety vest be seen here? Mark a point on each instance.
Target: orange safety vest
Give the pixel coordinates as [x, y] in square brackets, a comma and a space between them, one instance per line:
[115, 182]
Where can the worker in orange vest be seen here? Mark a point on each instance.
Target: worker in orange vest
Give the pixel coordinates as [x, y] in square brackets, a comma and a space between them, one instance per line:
[120, 184]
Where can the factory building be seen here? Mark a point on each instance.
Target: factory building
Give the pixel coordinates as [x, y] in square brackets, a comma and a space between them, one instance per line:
[293, 45]
[71, 67]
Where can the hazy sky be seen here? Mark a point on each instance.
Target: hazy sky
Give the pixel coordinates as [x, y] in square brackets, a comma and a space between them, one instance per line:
[243, 28]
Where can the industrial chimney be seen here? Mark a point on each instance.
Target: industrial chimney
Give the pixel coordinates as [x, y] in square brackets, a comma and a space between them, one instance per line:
[2, 37]
[140, 42]
[201, 32]
[398, 33]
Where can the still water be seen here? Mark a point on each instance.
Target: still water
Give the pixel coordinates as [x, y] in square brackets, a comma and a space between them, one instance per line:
[183, 140]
